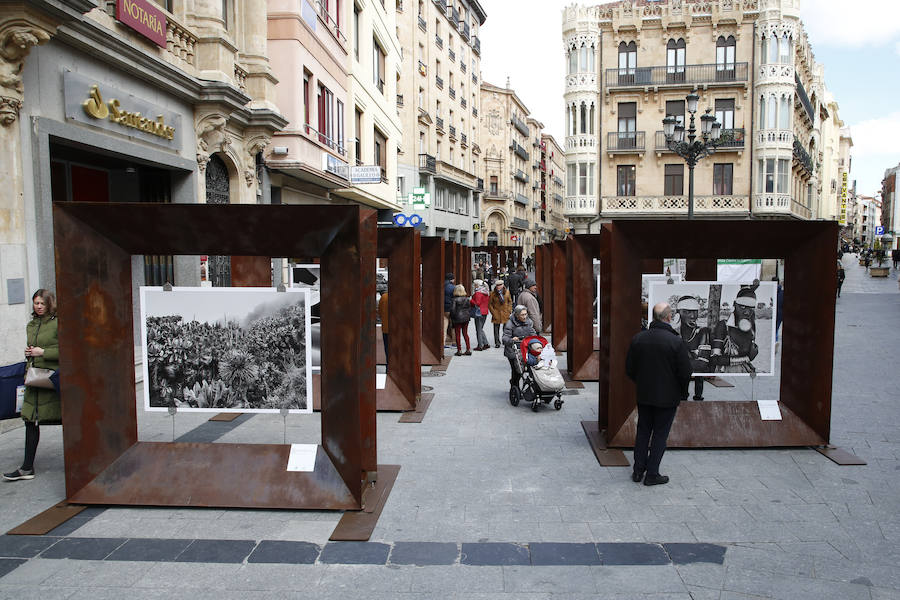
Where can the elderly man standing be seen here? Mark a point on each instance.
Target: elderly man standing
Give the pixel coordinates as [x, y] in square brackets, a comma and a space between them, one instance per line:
[659, 362]
[529, 299]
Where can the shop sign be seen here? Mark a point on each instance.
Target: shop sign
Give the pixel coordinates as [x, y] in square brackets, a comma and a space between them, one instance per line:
[111, 109]
[420, 199]
[332, 164]
[843, 219]
[365, 174]
[145, 18]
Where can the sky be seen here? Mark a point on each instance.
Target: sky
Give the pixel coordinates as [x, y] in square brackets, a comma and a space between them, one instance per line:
[859, 47]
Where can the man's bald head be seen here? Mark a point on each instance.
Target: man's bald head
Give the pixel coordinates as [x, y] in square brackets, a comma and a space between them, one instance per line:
[662, 312]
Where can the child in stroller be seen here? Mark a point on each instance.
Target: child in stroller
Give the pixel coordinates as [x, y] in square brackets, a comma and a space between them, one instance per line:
[539, 381]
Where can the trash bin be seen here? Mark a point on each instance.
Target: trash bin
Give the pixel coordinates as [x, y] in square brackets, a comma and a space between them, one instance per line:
[11, 377]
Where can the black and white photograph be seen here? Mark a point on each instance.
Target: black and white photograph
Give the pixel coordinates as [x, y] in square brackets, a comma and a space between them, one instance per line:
[650, 278]
[226, 349]
[728, 327]
[309, 276]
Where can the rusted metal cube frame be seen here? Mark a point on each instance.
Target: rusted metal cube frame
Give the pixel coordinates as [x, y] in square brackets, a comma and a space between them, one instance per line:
[543, 276]
[433, 272]
[402, 248]
[809, 250]
[104, 461]
[583, 355]
[559, 301]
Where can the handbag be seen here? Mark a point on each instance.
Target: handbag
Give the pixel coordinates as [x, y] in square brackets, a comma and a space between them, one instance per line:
[37, 377]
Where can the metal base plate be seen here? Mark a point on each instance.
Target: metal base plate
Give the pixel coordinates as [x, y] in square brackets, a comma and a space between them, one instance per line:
[839, 455]
[607, 457]
[357, 526]
[48, 520]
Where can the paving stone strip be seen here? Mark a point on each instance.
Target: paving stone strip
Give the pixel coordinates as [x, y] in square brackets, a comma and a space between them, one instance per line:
[16, 550]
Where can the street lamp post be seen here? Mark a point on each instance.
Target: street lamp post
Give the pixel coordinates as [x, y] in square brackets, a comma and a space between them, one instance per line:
[693, 149]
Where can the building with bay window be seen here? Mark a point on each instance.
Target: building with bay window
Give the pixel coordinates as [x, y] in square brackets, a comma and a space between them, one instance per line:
[632, 63]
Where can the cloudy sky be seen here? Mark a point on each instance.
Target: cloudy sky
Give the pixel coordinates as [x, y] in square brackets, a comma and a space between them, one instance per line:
[860, 48]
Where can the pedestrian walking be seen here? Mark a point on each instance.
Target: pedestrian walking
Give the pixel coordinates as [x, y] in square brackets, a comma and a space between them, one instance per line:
[528, 298]
[41, 405]
[516, 280]
[868, 259]
[480, 306]
[840, 277]
[516, 329]
[449, 287]
[460, 314]
[501, 307]
[895, 257]
[383, 315]
[659, 363]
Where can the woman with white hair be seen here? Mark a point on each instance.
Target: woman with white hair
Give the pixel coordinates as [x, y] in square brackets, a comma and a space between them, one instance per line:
[515, 330]
[500, 306]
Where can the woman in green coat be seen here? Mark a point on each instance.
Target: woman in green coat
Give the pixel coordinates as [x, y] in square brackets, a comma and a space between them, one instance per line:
[40, 405]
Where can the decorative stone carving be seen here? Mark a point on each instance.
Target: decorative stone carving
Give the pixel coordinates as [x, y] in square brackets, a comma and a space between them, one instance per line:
[254, 147]
[16, 40]
[211, 138]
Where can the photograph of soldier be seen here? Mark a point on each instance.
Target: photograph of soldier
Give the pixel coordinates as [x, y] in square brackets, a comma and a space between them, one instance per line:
[729, 327]
[696, 338]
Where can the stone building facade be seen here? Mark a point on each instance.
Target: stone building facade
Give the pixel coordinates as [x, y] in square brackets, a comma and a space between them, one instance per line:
[75, 76]
[439, 109]
[631, 64]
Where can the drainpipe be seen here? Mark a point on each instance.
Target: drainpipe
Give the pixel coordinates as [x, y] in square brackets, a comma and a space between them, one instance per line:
[752, 75]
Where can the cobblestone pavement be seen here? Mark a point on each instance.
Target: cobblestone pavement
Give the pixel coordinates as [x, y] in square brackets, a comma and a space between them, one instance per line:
[500, 502]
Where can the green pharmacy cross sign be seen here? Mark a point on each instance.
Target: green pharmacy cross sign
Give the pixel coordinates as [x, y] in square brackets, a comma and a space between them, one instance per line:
[420, 199]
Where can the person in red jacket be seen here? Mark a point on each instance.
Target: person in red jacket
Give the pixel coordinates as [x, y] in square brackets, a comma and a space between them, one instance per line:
[480, 300]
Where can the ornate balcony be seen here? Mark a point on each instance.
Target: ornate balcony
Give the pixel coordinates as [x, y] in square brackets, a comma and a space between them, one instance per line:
[675, 205]
[462, 102]
[686, 76]
[462, 66]
[521, 176]
[625, 142]
[581, 206]
[452, 55]
[427, 163]
[584, 142]
[438, 41]
[464, 141]
[452, 93]
[519, 150]
[476, 44]
[474, 111]
[474, 77]
[779, 205]
[730, 139]
[802, 157]
[439, 82]
[439, 124]
[464, 30]
[422, 25]
[521, 199]
[452, 132]
[518, 223]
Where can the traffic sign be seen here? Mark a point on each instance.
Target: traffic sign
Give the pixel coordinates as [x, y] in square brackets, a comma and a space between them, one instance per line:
[879, 230]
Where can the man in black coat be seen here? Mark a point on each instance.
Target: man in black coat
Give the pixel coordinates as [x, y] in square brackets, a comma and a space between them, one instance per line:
[659, 363]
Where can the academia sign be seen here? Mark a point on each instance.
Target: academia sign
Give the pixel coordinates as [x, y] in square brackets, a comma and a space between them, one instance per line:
[145, 18]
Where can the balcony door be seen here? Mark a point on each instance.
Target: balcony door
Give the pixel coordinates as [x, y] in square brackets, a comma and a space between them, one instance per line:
[675, 56]
[627, 125]
[627, 62]
[725, 48]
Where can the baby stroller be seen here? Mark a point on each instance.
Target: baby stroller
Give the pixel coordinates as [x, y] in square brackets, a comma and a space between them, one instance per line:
[537, 384]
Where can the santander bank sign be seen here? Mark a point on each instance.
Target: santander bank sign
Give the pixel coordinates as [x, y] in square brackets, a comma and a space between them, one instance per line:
[144, 17]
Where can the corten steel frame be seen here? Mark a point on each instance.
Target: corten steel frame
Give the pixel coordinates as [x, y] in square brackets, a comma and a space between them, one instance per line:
[582, 354]
[105, 462]
[543, 268]
[557, 292]
[251, 271]
[809, 250]
[464, 264]
[451, 254]
[401, 247]
[432, 300]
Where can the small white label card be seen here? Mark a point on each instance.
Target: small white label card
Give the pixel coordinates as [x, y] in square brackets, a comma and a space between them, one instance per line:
[380, 381]
[303, 457]
[768, 410]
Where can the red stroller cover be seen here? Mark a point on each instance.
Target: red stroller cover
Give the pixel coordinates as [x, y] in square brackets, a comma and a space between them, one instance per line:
[523, 345]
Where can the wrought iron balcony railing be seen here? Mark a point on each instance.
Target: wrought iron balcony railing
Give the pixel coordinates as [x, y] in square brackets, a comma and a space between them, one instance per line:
[439, 123]
[520, 175]
[476, 44]
[804, 99]
[681, 75]
[464, 30]
[438, 41]
[625, 141]
[519, 124]
[462, 102]
[452, 55]
[453, 92]
[728, 139]
[521, 199]
[439, 82]
[519, 150]
[422, 24]
[480, 184]
[427, 163]
[519, 223]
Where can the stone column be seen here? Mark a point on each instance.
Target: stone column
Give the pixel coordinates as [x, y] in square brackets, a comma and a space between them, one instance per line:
[19, 32]
[215, 49]
[260, 83]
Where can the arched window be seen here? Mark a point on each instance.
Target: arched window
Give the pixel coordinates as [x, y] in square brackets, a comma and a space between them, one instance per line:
[568, 111]
[763, 49]
[573, 60]
[583, 64]
[583, 118]
[574, 117]
[675, 54]
[591, 58]
[771, 121]
[725, 48]
[627, 62]
[785, 50]
[773, 49]
[762, 112]
[592, 118]
[785, 113]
